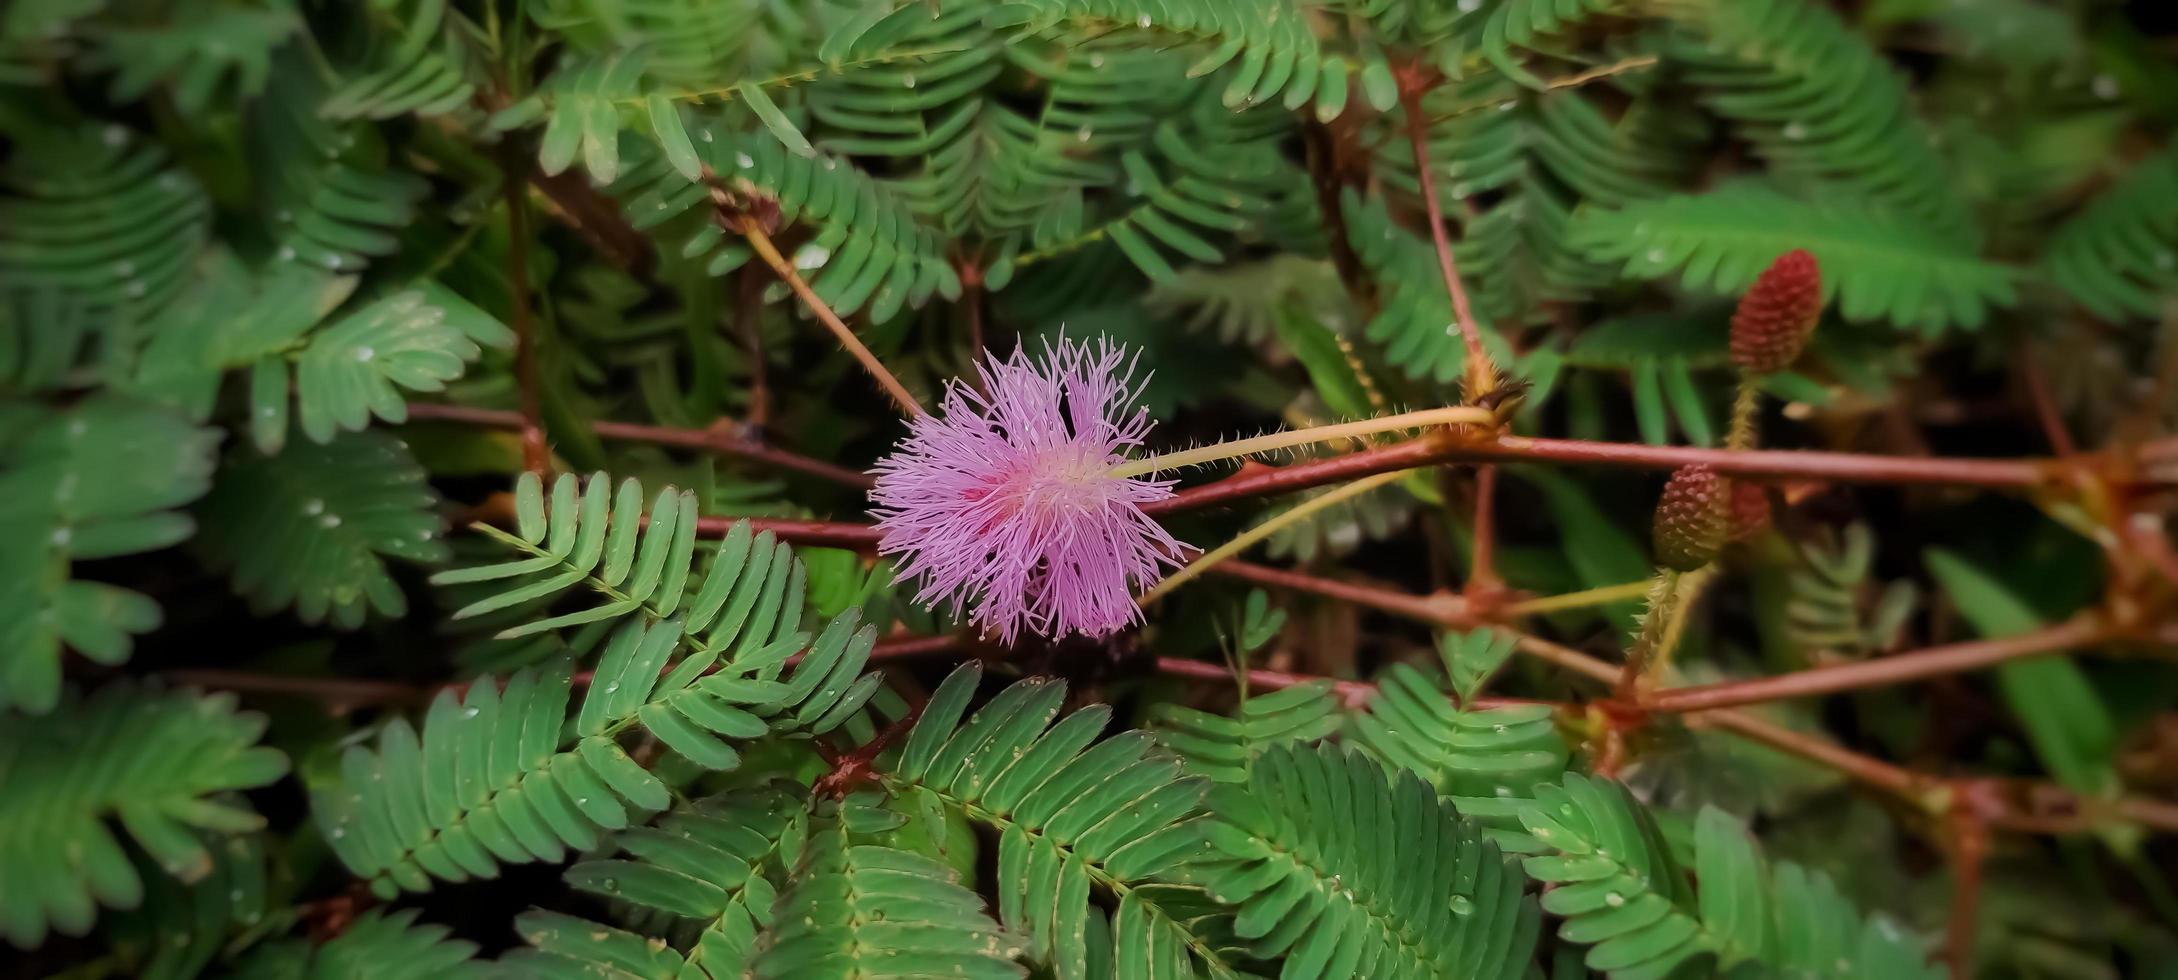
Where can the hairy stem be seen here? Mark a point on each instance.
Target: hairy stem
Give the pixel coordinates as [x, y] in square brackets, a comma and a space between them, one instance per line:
[1482, 562]
[1245, 539]
[1655, 622]
[1744, 404]
[1461, 415]
[750, 229]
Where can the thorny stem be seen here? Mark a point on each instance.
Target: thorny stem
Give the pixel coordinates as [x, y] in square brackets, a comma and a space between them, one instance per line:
[1246, 539]
[536, 456]
[709, 440]
[1273, 442]
[1481, 374]
[749, 228]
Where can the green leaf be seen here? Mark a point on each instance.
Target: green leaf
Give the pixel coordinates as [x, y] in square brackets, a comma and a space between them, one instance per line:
[2066, 721]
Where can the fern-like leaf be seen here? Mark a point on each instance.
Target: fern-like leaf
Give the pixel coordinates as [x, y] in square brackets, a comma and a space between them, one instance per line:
[310, 528]
[2119, 258]
[1487, 760]
[1301, 852]
[1615, 884]
[1221, 748]
[1874, 266]
[378, 945]
[156, 762]
[1818, 102]
[1069, 814]
[862, 911]
[99, 480]
[420, 69]
[562, 946]
[710, 862]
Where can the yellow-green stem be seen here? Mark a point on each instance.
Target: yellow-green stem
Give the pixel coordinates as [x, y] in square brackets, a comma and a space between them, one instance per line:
[1749, 398]
[1690, 589]
[1655, 621]
[1580, 600]
[1458, 415]
[1259, 532]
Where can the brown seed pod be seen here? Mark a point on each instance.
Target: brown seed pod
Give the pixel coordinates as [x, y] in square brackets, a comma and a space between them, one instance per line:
[1691, 518]
[1778, 314]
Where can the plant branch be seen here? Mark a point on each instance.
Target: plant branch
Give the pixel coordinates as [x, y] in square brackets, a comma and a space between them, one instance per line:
[1241, 542]
[1482, 577]
[707, 440]
[536, 455]
[1321, 144]
[1481, 374]
[1437, 449]
[748, 227]
[1600, 596]
[1292, 438]
[1884, 671]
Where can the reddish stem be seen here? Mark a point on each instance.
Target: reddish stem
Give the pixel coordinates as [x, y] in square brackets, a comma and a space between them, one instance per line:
[708, 440]
[1882, 672]
[1438, 449]
[1482, 580]
[1413, 82]
[536, 455]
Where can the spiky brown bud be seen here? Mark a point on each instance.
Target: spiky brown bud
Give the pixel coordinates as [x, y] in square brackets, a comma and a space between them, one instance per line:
[1691, 518]
[1778, 314]
[1750, 511]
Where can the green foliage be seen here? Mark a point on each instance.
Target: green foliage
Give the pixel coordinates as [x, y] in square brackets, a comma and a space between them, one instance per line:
[711, 862]
[1821, 106]
[867, 910]
[2119, 257]
[160, 764]
[1295, 855]
[1874, 267]
[310, 527]
[242, 243]
[1070, 814]
[99, 480]
[1620, 893]
[378, 946]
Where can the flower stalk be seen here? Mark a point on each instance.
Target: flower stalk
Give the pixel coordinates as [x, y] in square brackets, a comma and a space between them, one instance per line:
[1293, 438]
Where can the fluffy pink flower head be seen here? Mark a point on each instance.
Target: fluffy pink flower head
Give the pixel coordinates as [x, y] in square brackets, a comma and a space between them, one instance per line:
[1003, 501]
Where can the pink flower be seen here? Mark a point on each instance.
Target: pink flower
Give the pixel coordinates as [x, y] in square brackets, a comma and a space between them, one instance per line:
[1003, 503]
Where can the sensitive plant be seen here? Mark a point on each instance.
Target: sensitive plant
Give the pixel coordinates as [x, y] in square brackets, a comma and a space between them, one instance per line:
[1506, 488]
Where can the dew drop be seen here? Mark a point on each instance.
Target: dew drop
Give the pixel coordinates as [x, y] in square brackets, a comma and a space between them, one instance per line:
[124, 268]
[313, 506]
[1614, 899]
[1656, 256]
[1462, 905]
[1142, 21]
[330, 520]
[61, 536]
[2105, 87]
[468, 712]
[115, 136]
[744, 161]
[2166, 260]
[1096, 61]
[339, 832]
[287, 253]
[1470, 6]
[365, 353]
[907, 81]
[1082, 135]
[1795, 131]
[136, 288]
